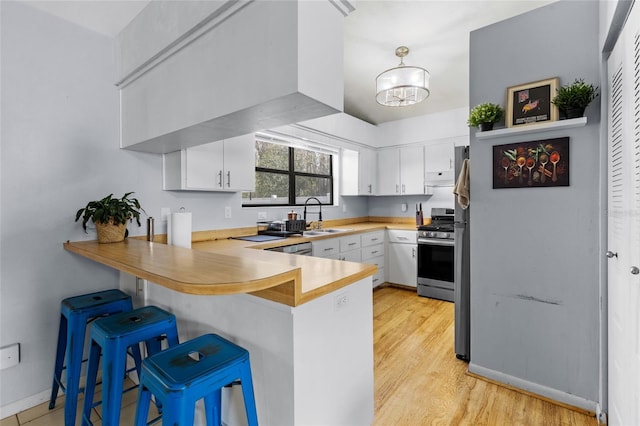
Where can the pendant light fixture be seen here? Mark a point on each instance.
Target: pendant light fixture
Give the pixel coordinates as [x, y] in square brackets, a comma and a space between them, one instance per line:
[403, 85]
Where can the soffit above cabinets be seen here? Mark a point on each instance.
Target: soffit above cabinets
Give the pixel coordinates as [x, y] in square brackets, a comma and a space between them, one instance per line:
[217, 80]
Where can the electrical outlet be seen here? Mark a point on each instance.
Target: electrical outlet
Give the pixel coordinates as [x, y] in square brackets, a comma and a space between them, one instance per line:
[262, 215]
[340, 301]
[227, 212]
[344, 207]
[9, 356]
[164, 214]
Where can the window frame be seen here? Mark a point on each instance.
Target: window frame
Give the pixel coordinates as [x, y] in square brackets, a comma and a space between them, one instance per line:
[292, 174]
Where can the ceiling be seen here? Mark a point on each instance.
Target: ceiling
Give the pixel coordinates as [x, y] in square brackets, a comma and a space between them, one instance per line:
[436, 32]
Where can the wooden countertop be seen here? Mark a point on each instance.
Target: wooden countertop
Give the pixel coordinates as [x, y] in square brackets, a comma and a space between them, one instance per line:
[230, 266]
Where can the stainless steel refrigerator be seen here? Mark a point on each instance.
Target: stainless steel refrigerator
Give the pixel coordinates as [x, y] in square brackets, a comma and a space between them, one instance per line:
[461, 267]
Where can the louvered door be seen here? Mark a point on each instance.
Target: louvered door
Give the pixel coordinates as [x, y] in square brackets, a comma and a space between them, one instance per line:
[624, 225]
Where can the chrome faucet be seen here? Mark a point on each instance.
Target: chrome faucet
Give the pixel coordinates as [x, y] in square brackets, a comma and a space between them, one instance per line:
[319, 212]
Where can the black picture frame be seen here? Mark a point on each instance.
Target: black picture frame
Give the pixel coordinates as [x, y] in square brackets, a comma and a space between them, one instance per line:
[523, 164]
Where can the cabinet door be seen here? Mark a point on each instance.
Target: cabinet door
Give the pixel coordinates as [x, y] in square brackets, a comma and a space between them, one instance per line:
[402, 264]
[367, 166]
[412, 170]
[351, 256]
[239, 163]
[389, 172]
[372, 238]
[329, 248]
[349, 180]
[439, 164]
[203, 167]
[370, 252]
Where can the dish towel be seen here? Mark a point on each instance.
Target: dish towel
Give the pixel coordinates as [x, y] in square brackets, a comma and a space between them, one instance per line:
[461, 189]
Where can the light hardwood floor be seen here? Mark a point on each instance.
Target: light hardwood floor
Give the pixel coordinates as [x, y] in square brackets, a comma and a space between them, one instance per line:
[418, 379]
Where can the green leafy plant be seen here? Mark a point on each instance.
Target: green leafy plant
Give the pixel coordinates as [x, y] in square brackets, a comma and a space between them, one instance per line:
[485, 113]
[118, 210]
[577, 95]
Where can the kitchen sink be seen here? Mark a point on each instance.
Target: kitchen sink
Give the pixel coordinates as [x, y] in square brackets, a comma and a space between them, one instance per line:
[327, 231]
[313, 233]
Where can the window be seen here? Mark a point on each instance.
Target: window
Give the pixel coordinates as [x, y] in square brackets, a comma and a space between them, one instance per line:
[288, 175]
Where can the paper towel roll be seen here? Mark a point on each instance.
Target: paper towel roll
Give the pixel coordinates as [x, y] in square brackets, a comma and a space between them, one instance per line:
[179, 230]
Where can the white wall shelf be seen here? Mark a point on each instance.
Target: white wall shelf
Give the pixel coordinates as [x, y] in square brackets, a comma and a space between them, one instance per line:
[533, 128]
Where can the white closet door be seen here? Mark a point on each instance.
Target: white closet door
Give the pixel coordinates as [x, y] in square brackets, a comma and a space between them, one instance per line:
[624, 225]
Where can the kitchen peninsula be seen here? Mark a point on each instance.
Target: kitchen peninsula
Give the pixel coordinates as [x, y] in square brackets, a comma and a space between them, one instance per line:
[306, 321]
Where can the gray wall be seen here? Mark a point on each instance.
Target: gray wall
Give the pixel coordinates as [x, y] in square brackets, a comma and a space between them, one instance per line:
[59, 150]
[535, 252]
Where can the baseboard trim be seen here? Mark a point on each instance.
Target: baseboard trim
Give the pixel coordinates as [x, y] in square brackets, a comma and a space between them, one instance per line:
[24, 404]
[535, 390]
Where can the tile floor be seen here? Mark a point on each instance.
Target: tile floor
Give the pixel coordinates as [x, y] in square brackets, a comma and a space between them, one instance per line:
[40, 415]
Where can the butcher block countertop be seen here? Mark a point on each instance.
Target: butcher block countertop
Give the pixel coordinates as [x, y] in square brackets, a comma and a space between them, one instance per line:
[229, 266]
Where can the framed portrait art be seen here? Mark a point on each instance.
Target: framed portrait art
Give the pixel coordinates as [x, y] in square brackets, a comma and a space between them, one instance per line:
[531, 103]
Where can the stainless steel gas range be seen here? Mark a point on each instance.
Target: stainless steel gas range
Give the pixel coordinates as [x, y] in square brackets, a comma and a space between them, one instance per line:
[436, 256]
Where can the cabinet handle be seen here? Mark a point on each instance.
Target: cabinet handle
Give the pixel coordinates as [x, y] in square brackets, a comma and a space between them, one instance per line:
[329, 249]
[228, 179]
[352, 244]
[397, 187]
[220, 178]
[369, 188]
[374, 252]
[413, 253]
[403, 189]
[374, 239]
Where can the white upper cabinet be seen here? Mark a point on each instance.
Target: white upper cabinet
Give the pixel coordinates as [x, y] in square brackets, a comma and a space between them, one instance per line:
[389, 172]
[367, 168]
[401, 171]
[227, 165]
[193, 72]
[439, 164]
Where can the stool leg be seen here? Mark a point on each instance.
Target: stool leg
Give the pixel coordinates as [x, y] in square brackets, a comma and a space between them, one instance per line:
[213, 408]
[75, 348]
[90, 387]
[178, 411]
[114, 361]
[142, 409]
[57, 369]
[247, 393]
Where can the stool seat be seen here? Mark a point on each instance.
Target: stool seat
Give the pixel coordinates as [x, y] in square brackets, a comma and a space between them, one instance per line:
[199, 368]
[112, 336]
[75, 313]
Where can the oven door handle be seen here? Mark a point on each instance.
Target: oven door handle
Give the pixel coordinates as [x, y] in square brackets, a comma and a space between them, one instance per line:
[434, 242]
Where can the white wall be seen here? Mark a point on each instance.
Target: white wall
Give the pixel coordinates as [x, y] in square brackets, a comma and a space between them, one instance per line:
[535, 253]
[59, 151]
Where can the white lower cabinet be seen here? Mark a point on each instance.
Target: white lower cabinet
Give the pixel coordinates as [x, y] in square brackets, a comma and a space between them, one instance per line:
[373, 252]
[402, 257]
[329, 248]
[365, 248]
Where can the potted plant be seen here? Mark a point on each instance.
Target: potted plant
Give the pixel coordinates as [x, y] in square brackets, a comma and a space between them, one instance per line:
[110, 216]
[484, 115]
[572, 99]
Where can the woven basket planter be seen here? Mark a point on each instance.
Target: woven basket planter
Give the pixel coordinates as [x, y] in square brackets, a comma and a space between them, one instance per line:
[110, 233]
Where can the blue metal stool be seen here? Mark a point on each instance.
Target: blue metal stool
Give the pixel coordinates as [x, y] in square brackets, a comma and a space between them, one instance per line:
[75, 313]
[199, 368]
[111, 336]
